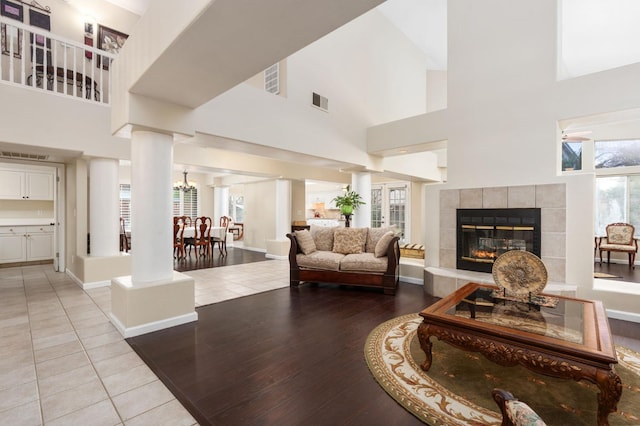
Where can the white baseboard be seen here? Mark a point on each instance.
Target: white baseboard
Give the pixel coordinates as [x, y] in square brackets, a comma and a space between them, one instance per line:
[73, 277]
[624, 316]
[87, 286]
[96, 284]
[274, 256]
[259, 250]
[152, 326]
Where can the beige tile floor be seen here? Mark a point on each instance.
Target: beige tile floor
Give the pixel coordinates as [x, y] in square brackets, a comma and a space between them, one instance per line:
[63, 363]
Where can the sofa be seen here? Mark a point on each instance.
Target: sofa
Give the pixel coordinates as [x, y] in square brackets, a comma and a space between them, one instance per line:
[368, 257]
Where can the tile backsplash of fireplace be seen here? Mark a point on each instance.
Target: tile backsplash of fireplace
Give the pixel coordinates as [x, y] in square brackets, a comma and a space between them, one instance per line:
[549, 198]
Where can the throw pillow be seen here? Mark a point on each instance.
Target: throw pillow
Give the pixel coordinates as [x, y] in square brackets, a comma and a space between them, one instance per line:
[323, 237]
[374, 235]
[383, 244]
[305, 241]
[349, 240]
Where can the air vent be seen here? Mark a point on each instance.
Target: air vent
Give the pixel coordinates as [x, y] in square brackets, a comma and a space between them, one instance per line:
[320, 102]
[23, 156]
[272, 79]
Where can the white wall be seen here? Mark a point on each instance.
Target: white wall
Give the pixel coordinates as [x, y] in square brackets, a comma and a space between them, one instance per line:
[503, 107]
[260, 214]
[369, 72]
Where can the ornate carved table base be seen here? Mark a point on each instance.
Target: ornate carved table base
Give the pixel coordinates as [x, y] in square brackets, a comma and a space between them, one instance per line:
[507, 354]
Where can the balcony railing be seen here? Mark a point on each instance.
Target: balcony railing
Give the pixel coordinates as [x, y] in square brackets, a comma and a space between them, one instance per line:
[43, 61]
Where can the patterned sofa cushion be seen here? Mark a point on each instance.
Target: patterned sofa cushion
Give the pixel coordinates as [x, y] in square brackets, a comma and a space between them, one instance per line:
[323, 237]
[305, 241]
[364, 262]
[349, 240]
[383, 244]
[320, 260]
[374, 235]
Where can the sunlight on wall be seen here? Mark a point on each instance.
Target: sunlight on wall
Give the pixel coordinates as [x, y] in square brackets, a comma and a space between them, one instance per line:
[597, 35]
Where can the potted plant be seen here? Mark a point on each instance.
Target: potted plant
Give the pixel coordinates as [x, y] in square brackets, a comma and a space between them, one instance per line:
[348, 202]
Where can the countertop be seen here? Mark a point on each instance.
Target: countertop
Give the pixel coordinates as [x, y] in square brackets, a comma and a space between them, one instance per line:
[26, 221]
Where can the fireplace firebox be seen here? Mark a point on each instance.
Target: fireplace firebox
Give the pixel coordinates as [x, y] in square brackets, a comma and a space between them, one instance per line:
[484, 234]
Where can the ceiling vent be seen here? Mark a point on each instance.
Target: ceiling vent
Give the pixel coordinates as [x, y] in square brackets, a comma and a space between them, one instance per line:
[320, 102]
[23, 156]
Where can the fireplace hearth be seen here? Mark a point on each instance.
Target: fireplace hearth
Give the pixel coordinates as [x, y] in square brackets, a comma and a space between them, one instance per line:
[484, 234]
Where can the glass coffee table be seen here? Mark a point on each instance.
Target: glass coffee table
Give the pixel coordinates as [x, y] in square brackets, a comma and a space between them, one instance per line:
[568, 338]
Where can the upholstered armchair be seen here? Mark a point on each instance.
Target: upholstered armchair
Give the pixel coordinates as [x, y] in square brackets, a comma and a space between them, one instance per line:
[620, 238]
[514, 412]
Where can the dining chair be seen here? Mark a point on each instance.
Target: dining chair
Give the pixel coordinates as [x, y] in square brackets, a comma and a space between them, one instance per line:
[221, 240]
[125, 241]
[620, 238]
[179, 224]
[201, 238]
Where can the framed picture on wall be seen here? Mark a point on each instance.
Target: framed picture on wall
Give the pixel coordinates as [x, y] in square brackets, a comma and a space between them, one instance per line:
[88, 41]
[12, 10]
[110, 41]
[40, 20]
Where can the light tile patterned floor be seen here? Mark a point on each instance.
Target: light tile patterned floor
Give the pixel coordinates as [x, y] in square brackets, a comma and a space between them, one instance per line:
[63, 363]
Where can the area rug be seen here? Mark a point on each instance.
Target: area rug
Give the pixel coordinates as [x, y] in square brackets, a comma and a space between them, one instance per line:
[604, 275]
[457, 388]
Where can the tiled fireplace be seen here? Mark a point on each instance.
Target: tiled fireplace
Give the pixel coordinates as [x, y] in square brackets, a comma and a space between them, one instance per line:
[550, 199]
[482, 235]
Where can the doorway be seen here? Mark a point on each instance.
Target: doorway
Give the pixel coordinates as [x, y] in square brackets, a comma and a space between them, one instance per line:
[390, 206]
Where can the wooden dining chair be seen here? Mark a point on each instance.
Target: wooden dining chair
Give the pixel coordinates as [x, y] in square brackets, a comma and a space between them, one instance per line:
[125, 241]
[221, 240]
[179, 223]
[202, 236]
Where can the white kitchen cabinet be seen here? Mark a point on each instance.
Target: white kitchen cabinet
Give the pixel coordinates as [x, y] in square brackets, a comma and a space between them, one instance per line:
[13, 244]
[26, 243]
[39, 242]
[26, 184]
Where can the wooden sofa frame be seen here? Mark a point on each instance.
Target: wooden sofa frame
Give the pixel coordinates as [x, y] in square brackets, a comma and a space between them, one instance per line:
[388, 280]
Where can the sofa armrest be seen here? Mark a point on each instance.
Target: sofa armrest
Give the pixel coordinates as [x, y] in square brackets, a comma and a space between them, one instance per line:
[393, 256]
[293, 250]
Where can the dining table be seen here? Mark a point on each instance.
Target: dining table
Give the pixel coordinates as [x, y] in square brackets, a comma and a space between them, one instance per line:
[216, 231]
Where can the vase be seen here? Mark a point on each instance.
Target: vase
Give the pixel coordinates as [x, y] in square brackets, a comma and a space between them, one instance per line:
[346, 210]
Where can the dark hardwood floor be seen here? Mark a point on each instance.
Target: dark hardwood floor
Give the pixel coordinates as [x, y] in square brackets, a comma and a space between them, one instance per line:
[286, 357]
[234, 256]
[289, 357]
[620, 269]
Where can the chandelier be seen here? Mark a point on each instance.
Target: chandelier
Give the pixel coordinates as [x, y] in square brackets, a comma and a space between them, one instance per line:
[185, 185]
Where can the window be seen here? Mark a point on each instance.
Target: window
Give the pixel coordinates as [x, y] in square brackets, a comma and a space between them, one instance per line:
[185, 203]
[617, 153]
[571, 156]
[389, 206]
[617, 200]
[272, 79]
[236, 208]
[125, 205]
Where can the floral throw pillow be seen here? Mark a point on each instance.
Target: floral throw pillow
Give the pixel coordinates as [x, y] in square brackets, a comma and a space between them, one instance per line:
[349, 240]
[305, 241]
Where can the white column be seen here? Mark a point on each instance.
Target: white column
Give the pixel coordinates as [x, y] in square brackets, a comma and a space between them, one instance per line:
[104, 214]
[361, 183]
[220, 203]
[283, 208]
[151, 198]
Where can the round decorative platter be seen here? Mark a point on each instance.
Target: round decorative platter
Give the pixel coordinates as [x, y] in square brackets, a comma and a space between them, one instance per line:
[519, 273]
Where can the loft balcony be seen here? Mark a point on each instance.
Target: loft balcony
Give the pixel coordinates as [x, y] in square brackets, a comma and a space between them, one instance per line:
[39, 60]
